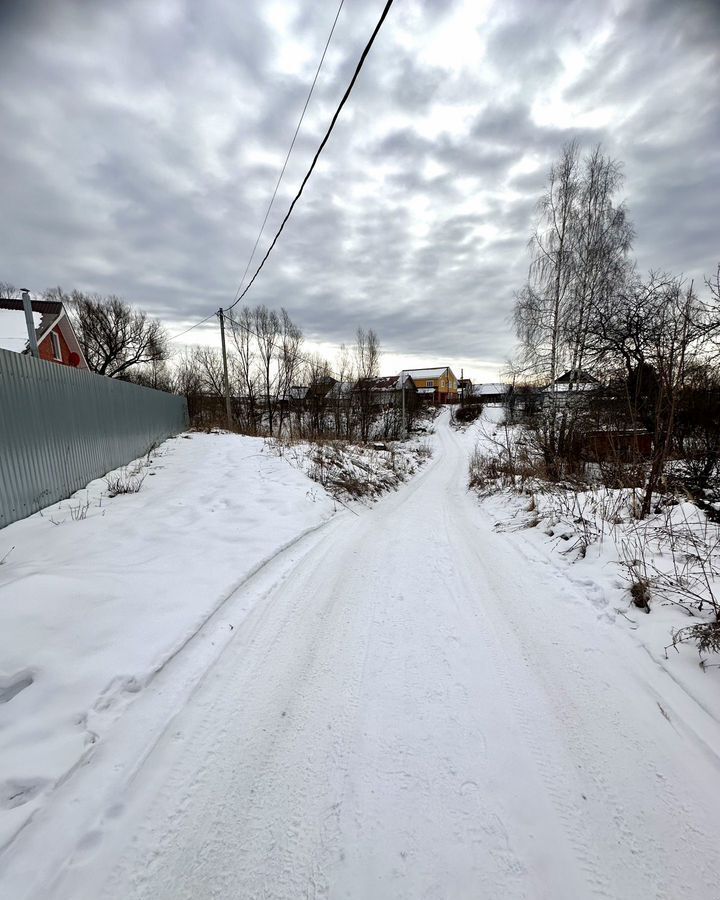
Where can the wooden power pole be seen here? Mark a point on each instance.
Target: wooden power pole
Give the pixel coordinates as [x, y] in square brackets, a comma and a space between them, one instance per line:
[228, 404]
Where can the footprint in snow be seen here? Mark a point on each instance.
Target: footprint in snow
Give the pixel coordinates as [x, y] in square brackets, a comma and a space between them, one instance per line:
[15, 792]
[11, 687]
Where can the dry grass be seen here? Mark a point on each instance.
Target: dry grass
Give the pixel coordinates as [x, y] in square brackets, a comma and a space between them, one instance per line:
[125, 481]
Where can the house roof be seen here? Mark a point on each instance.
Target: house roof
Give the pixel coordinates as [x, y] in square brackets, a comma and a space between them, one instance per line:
[576, 376]
[12, 318]
[48, 307]
[47, 315]
[389, 382]
[340, 390]
[427, 373]
[296, 392]
[426, 390]
[13, 329]
[571, 381]
[493, 387]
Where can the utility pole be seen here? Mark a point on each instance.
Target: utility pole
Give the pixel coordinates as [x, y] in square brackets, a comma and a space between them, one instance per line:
[404, 426]
[228, 405]
[32, 337]
[462, 387]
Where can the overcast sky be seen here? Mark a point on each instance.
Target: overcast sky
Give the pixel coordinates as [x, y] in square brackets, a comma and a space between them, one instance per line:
[140, 142]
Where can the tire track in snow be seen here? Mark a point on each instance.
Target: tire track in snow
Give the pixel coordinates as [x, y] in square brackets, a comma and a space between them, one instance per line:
[528, 705]
[272, 768]
[618, 819]
[400, 717]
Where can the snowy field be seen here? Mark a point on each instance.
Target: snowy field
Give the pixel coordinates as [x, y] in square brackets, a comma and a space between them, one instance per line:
[98, 594]
[418, 698]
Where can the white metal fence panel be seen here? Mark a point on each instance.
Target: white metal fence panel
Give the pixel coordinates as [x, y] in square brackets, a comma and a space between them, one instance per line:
[61, 427]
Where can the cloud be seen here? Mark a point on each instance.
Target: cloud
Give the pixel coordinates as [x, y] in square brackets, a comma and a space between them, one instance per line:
[140, 144]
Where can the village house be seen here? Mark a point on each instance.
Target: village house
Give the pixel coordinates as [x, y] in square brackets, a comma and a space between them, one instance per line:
[56, 338]
[340, 392]
[436, 385]
[492, 392]
[573, 380]
[570, 388]
[387, 390]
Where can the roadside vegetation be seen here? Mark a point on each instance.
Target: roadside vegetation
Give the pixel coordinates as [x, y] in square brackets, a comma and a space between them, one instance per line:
[353, 439]
[350, 471]
[612, 429]
[331, 423]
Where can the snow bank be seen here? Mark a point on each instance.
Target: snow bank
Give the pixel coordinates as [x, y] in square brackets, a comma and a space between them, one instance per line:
[594, 539]
[356, 471]
[98, 593]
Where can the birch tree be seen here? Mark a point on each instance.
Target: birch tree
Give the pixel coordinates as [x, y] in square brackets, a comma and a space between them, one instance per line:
[246, 355]
[367, 366]
[267, 333]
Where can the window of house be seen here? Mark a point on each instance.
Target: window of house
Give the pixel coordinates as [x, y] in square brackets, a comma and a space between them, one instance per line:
[429, 384]
[55, 341]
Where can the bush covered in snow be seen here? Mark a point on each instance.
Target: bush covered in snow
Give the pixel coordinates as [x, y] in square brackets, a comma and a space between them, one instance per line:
[355, 471]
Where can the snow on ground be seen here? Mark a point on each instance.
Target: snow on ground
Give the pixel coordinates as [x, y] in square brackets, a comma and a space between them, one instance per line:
[98, 593]
[356, 471]
[415, 704]
[593, 539]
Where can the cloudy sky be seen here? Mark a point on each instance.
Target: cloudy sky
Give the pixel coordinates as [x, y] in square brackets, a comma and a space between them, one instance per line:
[140, 143]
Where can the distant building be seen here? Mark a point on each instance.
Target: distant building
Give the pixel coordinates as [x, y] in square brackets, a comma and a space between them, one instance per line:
[465, 386]
[340, 392]
[492, 392]
[56, 338]
[387, 390]
[573, 380]
[437, 385]
[294, 398]
[320, 388]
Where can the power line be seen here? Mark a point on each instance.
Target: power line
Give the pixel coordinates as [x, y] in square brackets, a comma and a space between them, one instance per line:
[319, 150]
[324, 141]
[290, 150]
[201, 322]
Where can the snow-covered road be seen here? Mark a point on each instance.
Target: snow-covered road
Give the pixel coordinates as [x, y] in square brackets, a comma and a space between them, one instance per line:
[415, 708]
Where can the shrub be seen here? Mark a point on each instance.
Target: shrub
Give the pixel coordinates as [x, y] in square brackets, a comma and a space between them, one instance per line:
[640, 593]
[124, 481]
[468, 413]
[706, 635]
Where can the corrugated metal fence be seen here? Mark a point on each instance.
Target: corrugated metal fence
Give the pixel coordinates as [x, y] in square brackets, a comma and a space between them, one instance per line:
[60, 428]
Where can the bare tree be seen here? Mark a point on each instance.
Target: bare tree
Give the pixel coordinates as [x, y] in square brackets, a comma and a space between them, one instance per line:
[342, 402]
[580, 259]
[317, 373]
[188, 380]
[209, 366]
[580, 250]
[115, 338]
[8, 291]
[289, 361]
[367, 366]
[541, 306]
[242, 325]
[267, 332]
[156, 375]
[658, 332]
[601, 244]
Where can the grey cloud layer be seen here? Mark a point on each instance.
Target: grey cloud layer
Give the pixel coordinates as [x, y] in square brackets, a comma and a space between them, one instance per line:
[139, 144]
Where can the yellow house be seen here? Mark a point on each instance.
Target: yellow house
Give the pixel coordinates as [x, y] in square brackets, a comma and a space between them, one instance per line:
[439, 384]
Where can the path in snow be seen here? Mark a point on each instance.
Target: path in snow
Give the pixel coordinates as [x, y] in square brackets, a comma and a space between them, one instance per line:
[416, 710]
